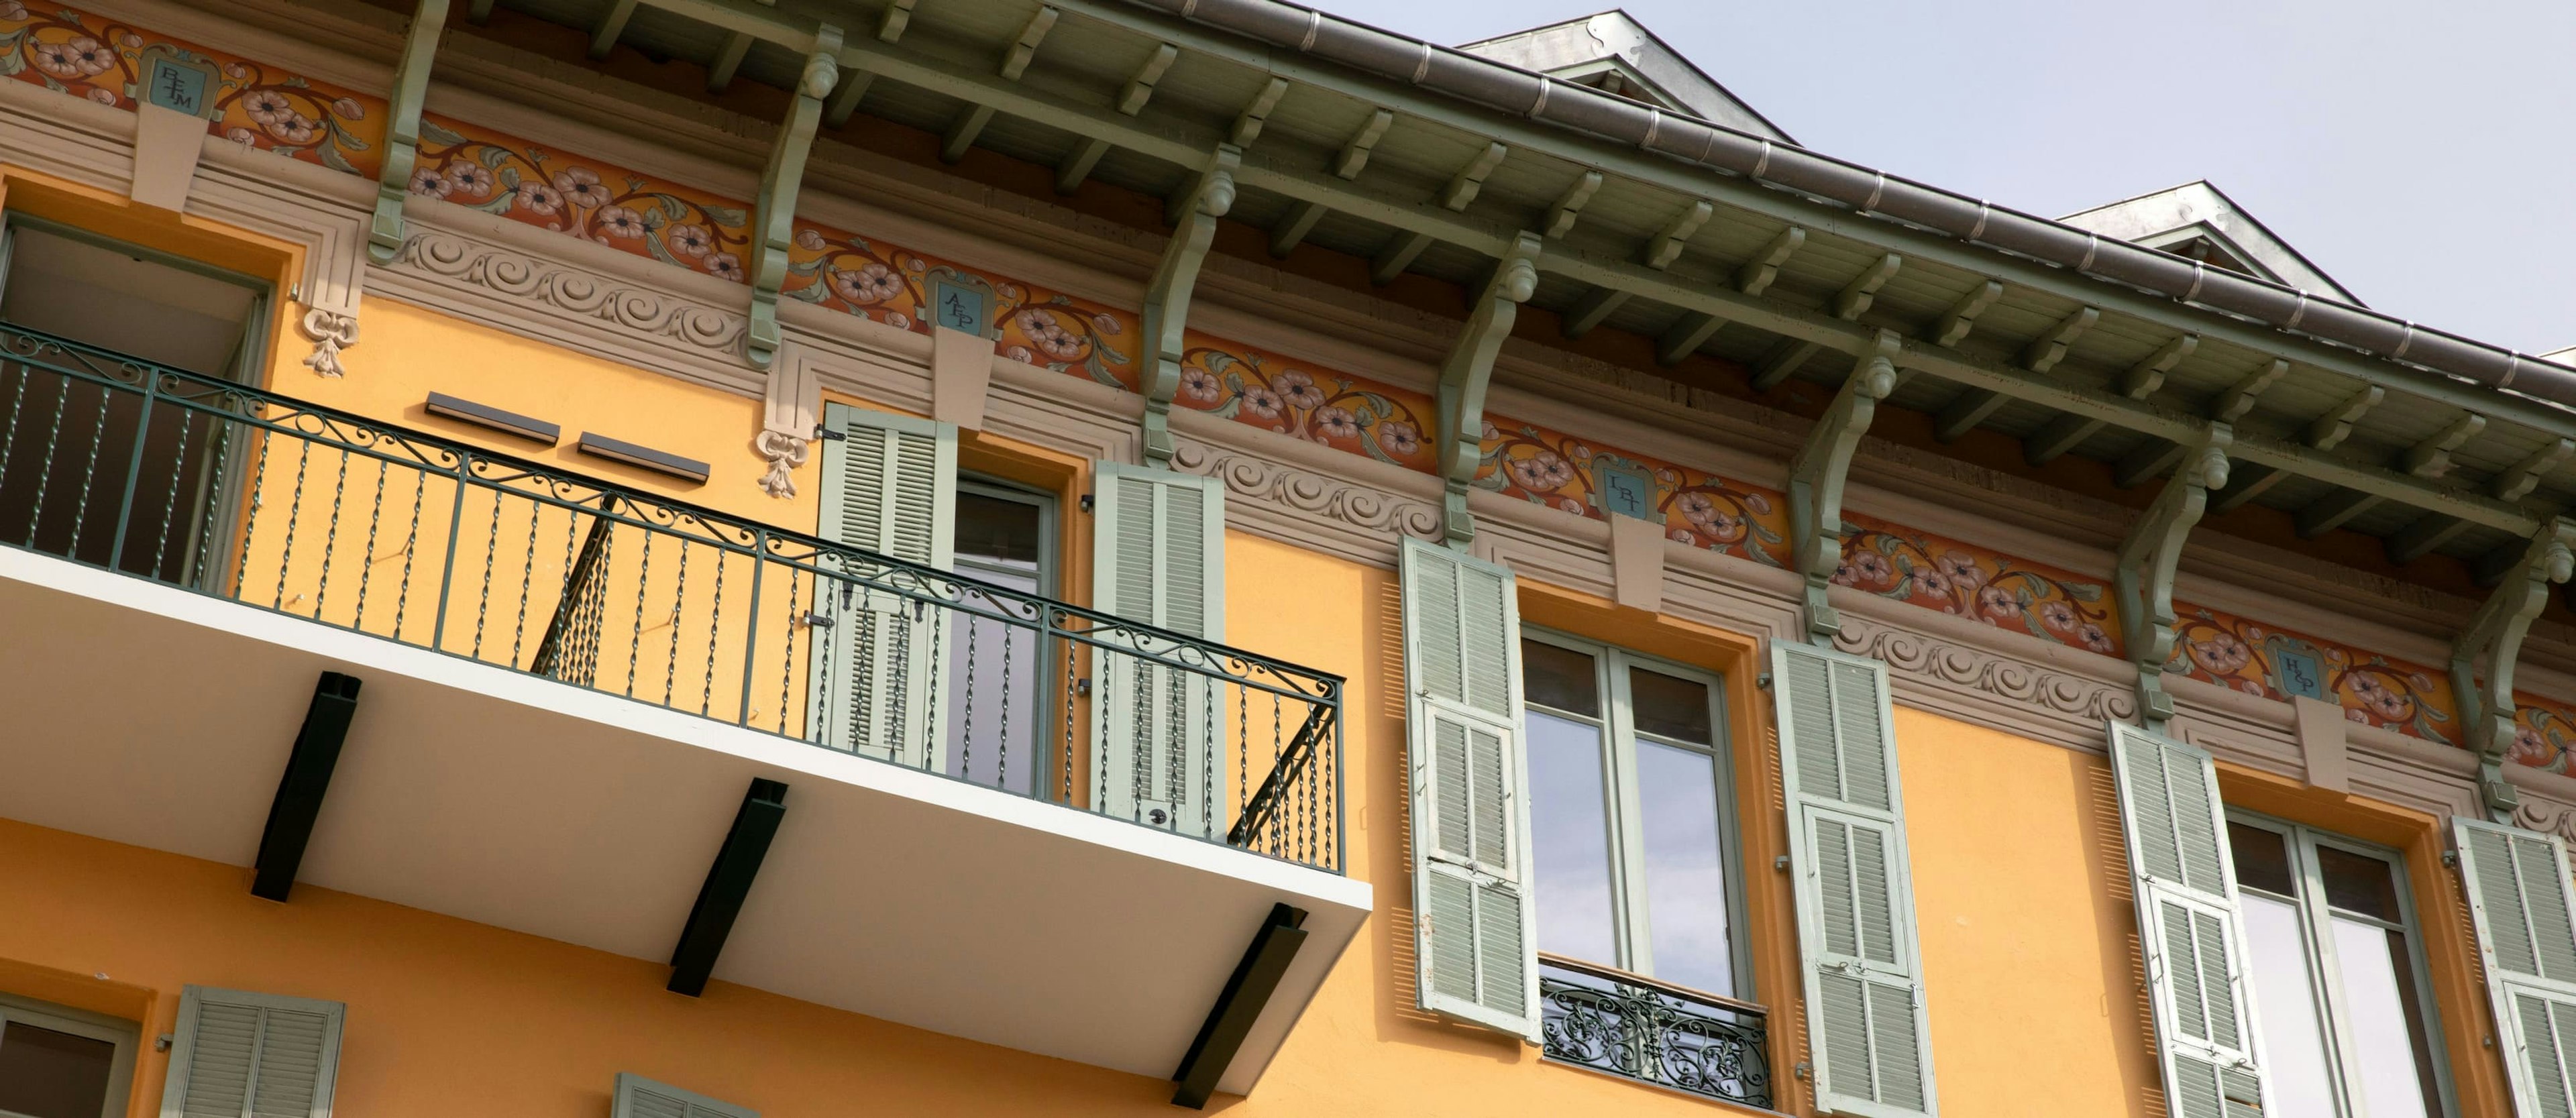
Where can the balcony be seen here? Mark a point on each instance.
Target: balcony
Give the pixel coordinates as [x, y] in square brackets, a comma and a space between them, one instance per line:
[1633, 1027]
[568, 686]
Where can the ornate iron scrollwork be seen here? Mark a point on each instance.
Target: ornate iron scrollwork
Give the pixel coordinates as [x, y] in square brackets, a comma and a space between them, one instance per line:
[1627, 1026]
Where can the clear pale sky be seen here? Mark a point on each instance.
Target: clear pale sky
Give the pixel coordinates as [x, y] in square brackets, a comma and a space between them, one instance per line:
[2422, 154]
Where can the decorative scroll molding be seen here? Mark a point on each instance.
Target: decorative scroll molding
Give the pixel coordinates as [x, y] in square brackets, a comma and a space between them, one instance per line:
[1980, 684]
[785, 453]
[1309, 508]
[330, 333]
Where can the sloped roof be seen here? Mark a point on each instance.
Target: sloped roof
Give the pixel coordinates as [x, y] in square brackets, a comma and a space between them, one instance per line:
[2197, 220]
[1613, 44]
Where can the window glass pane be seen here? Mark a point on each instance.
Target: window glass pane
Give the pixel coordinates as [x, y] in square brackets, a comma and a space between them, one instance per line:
[2262, 859]
[48, 1074]
[1668, 707]
[1685, 867]
[2359, 883]
[1570, 833]
[993, 740]
[996, 531]
[1559, 677]
[2293, 1044]
[2386, 1025]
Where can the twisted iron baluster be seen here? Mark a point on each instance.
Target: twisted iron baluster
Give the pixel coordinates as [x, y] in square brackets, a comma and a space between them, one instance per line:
[1002, 752]
[635, 631]
[1100, 697]
[1213, 758]
[787, 663]
[1274, 842]
[214, 501]
[169, 503]
[89, 473]
[331, 534]
[527, 578]
[411, 548]
[1055, 619]
[367, 568]
[17, 403]
[294, 512]
[491, 561]
[679, 601]
[45, 474]
[966, 743]
[1243, 753]
[715, 621]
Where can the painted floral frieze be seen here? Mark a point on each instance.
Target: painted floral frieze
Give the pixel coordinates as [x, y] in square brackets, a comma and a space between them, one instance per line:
[1573, 475]
[1262, 389]
[2278, 664]
[104, 60]
[584, 198]
[893, 285]
[1935, 572]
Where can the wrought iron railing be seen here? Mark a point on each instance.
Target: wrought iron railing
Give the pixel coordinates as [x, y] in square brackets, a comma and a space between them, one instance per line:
[272, 502]
[1628, 1025]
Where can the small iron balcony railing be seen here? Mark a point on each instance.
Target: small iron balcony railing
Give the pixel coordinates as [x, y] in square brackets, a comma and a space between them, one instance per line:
[257, 498]
[1635, 1027]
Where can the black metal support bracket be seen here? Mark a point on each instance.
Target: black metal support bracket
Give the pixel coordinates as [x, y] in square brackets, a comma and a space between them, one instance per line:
[728, 884]
[299, 792]
[1246, 993]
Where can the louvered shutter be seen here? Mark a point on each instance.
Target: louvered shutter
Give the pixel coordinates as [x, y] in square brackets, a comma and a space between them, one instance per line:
[1866, 1018]
[1476, 956]
[1158, 557]
[2188, 925]
[2519, 896]
[244, 1055]
[638, 1097]
[889, 489]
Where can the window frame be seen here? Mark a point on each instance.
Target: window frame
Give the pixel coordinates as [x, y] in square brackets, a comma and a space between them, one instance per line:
[2325, 970]
[125, 1035]
[250, 350]
[1046, 781]
[1632, 927]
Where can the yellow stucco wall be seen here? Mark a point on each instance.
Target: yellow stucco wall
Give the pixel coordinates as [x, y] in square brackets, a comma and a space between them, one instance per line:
[2028, 939]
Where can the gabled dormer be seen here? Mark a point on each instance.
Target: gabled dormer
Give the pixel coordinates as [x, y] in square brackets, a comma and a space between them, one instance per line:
[1615, 54]
[2198, 222]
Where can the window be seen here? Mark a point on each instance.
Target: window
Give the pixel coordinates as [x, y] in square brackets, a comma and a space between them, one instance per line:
[63, 1063]
[1630, 814]
[2338, 974]
[69, 424]
[1005, 536]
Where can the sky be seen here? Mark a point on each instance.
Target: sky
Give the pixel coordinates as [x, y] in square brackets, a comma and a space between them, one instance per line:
[2424, 154]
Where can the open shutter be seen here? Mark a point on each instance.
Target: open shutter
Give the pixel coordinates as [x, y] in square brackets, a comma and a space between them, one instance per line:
[1866, 1017]
[2519, 896]
[638, 1097]
[890, 489]
[1475, 918]
[1158, 557]
[2188, 925]
[244, 1055]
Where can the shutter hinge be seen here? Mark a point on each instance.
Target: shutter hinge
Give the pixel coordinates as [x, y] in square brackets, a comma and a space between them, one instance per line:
[1762, 681]
[1803, 1070]
[162, 1043]
[2451, 857]
[1084, 503]
[815, 620]
[1780, 863]
[1082, 687]
[822, 432]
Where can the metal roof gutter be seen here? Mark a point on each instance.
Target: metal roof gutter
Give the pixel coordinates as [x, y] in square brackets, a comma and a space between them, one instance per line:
[1519, 92]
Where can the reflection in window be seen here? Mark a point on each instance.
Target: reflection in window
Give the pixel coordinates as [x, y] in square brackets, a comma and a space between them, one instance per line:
[2333, 960]
[1629, 814]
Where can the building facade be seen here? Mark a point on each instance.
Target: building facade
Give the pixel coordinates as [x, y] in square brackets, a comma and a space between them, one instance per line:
[712, 557]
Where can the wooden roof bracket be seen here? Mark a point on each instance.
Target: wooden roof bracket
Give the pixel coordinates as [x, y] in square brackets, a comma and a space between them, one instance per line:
[402, 130]
[2142, 579]
[774, 223]
[1817, 474]
[1167, 295]
[1469, 372]
[2493, 639]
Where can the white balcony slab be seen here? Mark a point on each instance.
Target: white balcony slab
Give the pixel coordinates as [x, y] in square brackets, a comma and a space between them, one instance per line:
[162, 718]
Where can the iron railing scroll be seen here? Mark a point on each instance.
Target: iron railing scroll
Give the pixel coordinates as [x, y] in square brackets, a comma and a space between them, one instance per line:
[1631, 1026]
[284, 505]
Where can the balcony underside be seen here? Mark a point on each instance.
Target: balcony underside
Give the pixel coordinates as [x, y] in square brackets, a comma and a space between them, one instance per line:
[157, 717]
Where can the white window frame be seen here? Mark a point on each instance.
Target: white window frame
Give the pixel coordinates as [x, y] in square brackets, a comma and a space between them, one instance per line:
[125, 1035]
[1632, 928]
[1045, 782]
[2325, 973]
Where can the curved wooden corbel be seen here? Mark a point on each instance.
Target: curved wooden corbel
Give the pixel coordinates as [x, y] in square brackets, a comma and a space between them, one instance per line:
[1195, 211]
[2482, 660]
[2142, 580]
[1469, 372]
[774, 226]
[1817, 474]
[402, 130]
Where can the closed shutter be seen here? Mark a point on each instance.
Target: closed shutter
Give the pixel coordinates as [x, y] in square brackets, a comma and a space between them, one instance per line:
[244, 1055]
[638, 1097]
[2188, 925]
[1158, 557]
[1866, 1018]
[2518, 894]
[889, 489]
[1475, 919]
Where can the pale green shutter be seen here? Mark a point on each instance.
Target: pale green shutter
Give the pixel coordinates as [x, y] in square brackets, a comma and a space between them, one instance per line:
[2188, 925]
[638, 1097]
[1474, 917]
[1158, 557]
[2518, 894]
[244, 1055]
[1866, 1018]
[890, 489]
